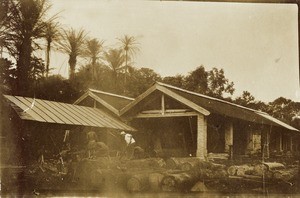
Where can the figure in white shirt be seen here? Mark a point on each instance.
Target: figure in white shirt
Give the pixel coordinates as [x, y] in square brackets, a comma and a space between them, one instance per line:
[130, 144]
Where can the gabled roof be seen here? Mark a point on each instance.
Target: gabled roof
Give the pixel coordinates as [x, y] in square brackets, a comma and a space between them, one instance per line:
[111, 101]
[63, 113]
[206, 104]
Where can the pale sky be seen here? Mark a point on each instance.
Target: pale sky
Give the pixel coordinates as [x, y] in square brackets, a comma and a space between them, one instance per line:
[255, 44]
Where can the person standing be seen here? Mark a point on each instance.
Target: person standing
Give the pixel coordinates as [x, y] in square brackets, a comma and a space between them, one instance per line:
[130, 144]
[91, 143]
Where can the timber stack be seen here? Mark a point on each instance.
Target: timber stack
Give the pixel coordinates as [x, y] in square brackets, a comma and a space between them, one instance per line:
[268, 171]
[189, 174]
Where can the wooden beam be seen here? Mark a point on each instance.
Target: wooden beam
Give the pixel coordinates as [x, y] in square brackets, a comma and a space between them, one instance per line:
[201, 137]
[104, 103]
[163, 108]
[183, 100]
[159, 115]
[228, 135]
[84, 96]
[166, 111]
[138, 99]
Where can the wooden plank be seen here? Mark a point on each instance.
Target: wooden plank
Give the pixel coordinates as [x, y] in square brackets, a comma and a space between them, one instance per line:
[167, 111]
[47, 111]
[138, 99]
[163, 107]
[183, 100]
[104, 103]
[159, 115]
[20, 104]
[58, 112]
[84, 96]
[36, 108]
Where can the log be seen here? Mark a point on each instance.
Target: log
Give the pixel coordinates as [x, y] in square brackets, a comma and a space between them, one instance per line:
[232, 170]
[187, 166]
[150, 163]
[188, 163]
[285, 175]
[260, 169]
[244, 169]
[199, 187]
[138, 183]
[178, 182]
[172, 163]
[155, 181]
[274, 166]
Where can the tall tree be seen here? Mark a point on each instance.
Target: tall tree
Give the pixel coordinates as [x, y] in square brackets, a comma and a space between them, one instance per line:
[115, 61]
[7, 75]
[245, 99]
[218, 84]
[197, 80]
[52, 35]
[283, 109]
[129, 45]
[24, 24]
[72, 43]
[93, 51]
[177, 80]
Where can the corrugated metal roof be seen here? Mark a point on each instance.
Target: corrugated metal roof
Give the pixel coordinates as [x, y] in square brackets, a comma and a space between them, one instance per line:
[63, 113]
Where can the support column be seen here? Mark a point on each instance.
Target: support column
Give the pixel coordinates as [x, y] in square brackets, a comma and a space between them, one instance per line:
[201, 137]
[280, 142]
[163, 108]
[228, 136]
[291, 143]
[266, 144]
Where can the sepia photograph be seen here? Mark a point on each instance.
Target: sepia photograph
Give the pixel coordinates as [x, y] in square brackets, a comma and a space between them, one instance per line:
[137, 98]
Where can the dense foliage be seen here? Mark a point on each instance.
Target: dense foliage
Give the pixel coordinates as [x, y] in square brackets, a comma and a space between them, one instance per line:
[25, 28]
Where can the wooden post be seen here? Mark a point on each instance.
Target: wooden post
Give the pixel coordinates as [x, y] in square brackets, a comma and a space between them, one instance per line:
[201, 137]
[291, 143]
[280, 142]
[228, 136]
[266, 143]
[163, 109]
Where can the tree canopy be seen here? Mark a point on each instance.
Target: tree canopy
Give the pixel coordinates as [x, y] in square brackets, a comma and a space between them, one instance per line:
[24, 23]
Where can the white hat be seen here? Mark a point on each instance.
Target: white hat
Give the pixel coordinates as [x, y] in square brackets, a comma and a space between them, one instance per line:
[123, 133]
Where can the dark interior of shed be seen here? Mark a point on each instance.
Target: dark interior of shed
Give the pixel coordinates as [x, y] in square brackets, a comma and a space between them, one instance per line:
[176, 136]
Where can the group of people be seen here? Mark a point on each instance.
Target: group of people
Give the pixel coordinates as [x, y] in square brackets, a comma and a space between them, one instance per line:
[96, 148]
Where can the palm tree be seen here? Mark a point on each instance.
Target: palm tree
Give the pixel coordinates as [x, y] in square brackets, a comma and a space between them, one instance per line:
[72, 43]
[115, 61]
[51, 34]
[129, 45]
[93, 51]
[24, 24]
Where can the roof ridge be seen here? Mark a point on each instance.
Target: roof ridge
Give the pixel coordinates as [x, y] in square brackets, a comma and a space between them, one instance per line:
[110, 94]
[209, 97]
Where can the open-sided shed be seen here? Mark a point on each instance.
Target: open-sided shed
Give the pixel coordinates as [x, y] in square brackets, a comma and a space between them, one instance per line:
[180, 123]
[32, 124]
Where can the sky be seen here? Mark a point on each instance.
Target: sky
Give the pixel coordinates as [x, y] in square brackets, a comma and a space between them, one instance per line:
[255, 44]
